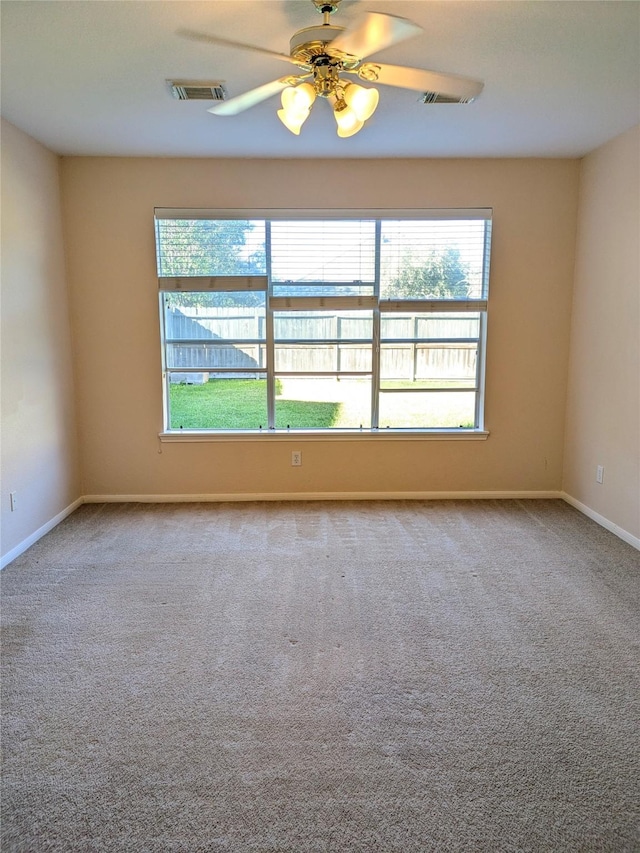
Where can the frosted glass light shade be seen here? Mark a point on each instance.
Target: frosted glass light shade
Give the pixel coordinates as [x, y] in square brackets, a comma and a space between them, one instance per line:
[362, 101]
[293, 121]
[296, 99]
[296, 104]
[347, 121]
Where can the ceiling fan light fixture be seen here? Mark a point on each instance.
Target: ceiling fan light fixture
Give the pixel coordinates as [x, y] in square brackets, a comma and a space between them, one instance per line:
[362, 101]
[322, 53]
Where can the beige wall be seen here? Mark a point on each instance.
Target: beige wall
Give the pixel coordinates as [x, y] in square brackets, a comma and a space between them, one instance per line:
[603, 407]
[108, 211]
[39, 448]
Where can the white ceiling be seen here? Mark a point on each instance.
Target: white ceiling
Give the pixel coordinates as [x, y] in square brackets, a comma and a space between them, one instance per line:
[87, 77]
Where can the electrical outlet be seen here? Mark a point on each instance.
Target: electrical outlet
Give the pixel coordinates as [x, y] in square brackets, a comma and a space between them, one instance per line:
[13, 501]
[600, 474]
[296, 458]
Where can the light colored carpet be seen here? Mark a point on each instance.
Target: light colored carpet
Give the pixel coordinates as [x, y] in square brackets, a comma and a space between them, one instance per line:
[302, 677]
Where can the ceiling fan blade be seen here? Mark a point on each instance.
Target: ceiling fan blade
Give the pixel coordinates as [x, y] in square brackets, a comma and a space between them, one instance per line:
[254, 96]
[448, 86]
[373, 32]
[207, 39]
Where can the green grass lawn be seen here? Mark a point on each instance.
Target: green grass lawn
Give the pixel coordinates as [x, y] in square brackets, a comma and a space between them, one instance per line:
[229, 404]
[219, 404]
[242, 404]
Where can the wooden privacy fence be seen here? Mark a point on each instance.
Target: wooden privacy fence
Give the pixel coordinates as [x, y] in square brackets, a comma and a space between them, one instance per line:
[200, 340]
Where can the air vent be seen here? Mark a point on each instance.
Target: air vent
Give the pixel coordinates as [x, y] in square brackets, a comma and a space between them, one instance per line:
[437, 98]
[189, 91]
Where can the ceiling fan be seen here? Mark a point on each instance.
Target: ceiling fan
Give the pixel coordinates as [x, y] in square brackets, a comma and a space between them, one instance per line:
[324, 54]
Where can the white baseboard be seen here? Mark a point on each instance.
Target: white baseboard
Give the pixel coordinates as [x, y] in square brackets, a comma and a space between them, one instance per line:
[623, 534]
[323, 496]
[11, 555]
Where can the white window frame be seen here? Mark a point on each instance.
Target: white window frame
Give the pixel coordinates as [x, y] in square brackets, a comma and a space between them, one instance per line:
[294, 303]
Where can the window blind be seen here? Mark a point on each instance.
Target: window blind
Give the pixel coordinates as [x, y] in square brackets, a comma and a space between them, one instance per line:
[210, 247]
[434, 259]
[326, 251]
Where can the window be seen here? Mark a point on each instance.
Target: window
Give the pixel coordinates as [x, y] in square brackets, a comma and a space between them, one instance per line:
[323, 321]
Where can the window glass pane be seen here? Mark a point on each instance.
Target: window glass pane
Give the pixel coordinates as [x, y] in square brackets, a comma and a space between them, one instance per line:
[331, 256]
[215, 330]
[309, 358]
[323, 402]
[210, 356]
[190, 247]
[444, 365]
[432, 326]
[303, 329]
[323, 325]
[433, 259]
[223, 403]
[196, 315]
[427, 409]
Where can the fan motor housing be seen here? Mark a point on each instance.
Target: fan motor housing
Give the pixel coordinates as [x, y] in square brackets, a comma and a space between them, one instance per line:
[307, 44]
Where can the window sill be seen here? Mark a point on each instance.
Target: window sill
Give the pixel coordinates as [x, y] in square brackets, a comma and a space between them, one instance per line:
[325, 435]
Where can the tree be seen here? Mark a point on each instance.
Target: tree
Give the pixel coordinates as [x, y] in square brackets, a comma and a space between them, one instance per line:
[438, 275]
